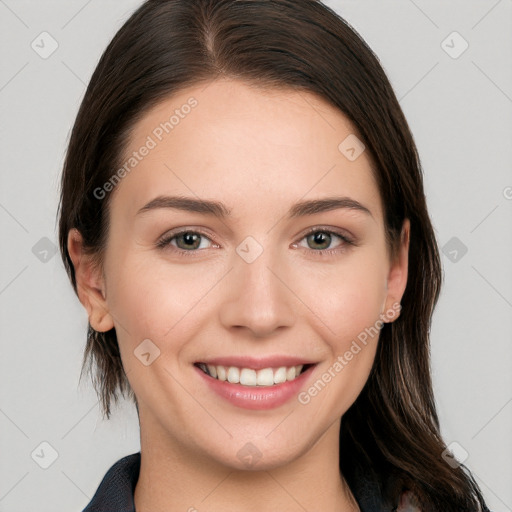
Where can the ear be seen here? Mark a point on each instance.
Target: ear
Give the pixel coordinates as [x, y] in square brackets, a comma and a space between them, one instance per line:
[397, 276]
[90, 284]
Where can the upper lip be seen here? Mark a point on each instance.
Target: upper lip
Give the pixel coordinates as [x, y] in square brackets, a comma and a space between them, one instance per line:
[257, 363]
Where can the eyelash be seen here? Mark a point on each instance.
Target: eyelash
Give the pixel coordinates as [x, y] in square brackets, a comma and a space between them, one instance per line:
[165, 242]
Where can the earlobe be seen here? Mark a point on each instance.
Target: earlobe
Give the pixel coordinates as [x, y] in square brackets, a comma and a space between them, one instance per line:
[397, 277]
[90, 284]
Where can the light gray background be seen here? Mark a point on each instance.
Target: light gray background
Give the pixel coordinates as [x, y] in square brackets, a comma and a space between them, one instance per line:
[459, 110]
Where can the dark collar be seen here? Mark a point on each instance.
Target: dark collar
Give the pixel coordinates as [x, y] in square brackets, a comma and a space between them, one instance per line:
[116, 490]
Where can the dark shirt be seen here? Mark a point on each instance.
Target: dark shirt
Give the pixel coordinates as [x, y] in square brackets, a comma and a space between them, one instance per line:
[116, 490]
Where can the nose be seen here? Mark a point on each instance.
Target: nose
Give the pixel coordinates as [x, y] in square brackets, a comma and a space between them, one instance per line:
[257, 296]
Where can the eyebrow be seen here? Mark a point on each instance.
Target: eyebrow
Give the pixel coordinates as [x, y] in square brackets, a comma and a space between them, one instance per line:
[220, 210]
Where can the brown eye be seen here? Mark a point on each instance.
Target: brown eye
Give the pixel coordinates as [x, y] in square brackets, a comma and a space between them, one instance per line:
[187, 241]
[321, 238]
[190, 240]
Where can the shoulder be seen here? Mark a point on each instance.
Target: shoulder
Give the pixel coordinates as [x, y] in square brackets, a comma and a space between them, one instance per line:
[115, 492]
[408, 503]
[369, 494]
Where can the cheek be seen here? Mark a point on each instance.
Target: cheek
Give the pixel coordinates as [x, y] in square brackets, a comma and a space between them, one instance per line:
[350, 327]
[347, 303]
[345, 298]
[152, 302]
[153, 298]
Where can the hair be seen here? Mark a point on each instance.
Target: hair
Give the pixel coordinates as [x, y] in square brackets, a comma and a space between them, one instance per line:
[390, 435]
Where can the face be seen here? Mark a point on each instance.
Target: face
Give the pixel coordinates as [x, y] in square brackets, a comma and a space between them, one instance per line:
[255, 287]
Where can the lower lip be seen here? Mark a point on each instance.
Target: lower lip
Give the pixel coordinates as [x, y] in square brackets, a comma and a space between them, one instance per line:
[256, 397]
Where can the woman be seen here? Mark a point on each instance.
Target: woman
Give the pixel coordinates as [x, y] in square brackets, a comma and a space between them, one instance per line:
[217, 143]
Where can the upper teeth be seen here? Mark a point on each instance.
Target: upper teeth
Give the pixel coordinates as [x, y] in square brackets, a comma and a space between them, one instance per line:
[250, 377]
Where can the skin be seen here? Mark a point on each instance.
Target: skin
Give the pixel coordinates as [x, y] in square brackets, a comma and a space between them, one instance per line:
[258, 151]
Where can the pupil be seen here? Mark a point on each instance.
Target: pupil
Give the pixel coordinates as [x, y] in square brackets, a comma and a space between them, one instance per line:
[318, 237]
[189, 238]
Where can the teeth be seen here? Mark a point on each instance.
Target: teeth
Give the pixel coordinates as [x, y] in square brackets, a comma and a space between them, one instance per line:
[250, 377]
[291, 373]
[233, 375]
[265, 377]
[212, 370]
[221, 373]
[280, 375]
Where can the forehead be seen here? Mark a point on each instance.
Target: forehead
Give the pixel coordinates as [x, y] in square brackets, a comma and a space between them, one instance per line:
[247, 146]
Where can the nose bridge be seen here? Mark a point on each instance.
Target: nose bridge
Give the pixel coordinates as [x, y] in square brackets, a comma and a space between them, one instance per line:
[257, 298]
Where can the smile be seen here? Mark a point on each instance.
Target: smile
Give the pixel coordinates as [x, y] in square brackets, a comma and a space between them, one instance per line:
[252, 377]
[255, 384]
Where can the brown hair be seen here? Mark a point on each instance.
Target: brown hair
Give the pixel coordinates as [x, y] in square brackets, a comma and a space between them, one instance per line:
[390, 436]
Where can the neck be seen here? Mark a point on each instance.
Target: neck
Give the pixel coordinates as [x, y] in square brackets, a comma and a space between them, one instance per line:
[176, 478]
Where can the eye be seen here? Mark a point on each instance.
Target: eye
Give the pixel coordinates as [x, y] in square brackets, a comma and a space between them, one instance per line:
[319, 239]
[185, 241]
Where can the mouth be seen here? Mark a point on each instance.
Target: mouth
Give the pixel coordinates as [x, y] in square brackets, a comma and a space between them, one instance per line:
[251, 377]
